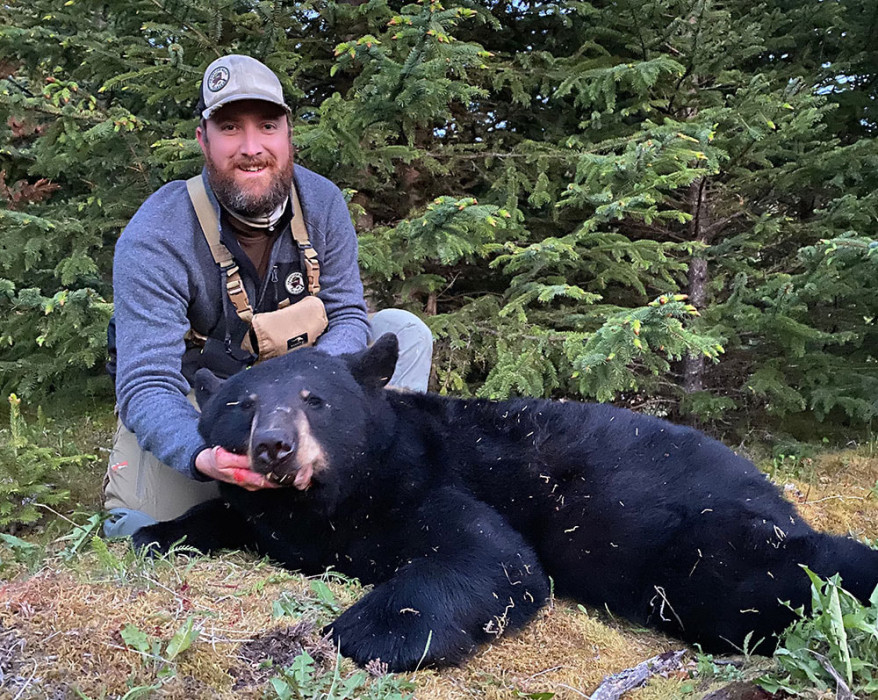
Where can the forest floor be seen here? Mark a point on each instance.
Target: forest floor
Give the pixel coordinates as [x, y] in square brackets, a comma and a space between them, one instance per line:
[83, 618]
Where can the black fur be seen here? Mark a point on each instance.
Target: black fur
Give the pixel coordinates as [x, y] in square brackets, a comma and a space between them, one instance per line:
[459, 509]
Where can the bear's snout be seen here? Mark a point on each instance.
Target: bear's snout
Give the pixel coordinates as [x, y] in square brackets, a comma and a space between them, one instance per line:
[284, 449]
[271, 447]
[273, 444]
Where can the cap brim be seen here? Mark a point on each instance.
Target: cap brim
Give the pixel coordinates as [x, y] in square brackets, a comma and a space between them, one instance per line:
[210, 111]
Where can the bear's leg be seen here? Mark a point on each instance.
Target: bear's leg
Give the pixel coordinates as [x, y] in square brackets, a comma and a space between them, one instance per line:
[736, 591]
[207, 527]
[468, 577]
[856, 563]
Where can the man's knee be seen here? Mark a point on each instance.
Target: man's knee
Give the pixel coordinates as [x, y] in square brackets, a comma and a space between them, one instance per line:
[415, 346]
[403, 324]
[137, 482]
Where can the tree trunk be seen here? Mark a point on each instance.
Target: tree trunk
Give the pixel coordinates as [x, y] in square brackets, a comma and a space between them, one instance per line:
[693, 365]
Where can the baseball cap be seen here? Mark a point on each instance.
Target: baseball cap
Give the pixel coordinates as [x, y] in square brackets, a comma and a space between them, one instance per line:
[236, 77]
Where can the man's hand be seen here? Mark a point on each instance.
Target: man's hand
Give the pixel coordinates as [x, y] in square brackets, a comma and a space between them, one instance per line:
[223, 465]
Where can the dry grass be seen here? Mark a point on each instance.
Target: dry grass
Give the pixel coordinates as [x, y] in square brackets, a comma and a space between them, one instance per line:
[72, 623]
[840, 495]
[61, 627]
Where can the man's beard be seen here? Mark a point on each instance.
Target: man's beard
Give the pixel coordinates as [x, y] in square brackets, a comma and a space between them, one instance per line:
[241, 202]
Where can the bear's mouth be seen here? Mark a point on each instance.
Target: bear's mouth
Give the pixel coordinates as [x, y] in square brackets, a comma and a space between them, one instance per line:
[299, 477]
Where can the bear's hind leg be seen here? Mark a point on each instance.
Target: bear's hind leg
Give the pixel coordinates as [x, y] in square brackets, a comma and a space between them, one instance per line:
[740, 590]
[855, 562]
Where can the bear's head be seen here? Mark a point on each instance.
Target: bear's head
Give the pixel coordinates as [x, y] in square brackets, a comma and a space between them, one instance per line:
[303, 417]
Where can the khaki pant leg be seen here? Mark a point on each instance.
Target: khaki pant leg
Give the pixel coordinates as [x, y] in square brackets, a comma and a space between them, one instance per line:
[137, 480]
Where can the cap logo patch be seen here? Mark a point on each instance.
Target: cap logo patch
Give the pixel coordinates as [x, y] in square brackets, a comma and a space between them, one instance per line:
[218, 79]
[295, 283]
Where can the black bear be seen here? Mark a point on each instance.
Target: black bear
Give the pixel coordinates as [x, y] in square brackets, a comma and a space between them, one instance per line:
[459, 511]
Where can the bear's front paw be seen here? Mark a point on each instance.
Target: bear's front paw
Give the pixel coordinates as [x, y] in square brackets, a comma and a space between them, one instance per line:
[404, 639]
[151, 541]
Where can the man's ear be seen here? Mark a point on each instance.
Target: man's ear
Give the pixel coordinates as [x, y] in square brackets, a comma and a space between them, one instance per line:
[201, 137]
[373, 367]
[206, 385]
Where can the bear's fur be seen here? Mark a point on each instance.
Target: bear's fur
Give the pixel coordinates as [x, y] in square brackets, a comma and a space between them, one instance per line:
[459, 510]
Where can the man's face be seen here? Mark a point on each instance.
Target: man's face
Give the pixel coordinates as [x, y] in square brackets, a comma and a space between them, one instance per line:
[246, 147]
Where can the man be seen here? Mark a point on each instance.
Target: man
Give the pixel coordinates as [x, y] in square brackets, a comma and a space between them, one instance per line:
[178, 302]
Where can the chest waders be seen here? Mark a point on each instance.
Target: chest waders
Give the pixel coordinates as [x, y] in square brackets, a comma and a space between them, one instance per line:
[261, 334]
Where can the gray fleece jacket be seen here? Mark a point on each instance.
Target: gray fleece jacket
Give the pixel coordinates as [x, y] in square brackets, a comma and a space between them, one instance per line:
[165, 281]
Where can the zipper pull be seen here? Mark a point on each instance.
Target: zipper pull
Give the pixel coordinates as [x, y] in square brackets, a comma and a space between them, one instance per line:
[274, 274]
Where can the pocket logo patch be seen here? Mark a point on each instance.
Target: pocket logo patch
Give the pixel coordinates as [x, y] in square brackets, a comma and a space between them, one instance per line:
[297, 341]
[295, 283]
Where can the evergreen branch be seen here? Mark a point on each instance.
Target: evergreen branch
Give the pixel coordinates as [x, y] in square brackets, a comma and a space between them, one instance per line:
[205, 41]
[643, 51]
[718, 226]
[496, 154]
[27, 92]
[691, 66]
[41, 107]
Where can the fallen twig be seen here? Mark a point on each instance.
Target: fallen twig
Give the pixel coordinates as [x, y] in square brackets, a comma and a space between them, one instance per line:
[842, 692]
[613, 687]
[544, 671]
[27, 682]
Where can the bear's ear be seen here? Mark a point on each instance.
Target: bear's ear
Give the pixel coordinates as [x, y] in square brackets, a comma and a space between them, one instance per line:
[206, 385]
[373, 367]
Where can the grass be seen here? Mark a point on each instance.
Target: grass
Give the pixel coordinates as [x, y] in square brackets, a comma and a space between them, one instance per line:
[80, 617]
[64, 450]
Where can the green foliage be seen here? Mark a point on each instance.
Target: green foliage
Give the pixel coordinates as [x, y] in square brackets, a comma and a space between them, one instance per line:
[82, 534]
[834, 647]
[320, 603]
[160, 655]
[66, 548]
[46, 339]
[638, 342]
[527, 177]
[708, 666]
[21, 552]
[32, 459]
[303, 679]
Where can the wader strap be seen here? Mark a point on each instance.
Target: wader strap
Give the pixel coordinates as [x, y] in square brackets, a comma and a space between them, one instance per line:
[221, 255]
[309, 255]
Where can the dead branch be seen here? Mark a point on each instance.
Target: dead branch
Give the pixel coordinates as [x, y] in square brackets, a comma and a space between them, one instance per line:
[613, 687]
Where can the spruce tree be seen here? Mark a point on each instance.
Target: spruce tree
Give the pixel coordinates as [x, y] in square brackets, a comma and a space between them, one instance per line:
[543, 182]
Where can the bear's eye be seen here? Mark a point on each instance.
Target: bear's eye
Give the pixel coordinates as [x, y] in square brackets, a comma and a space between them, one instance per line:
[311, 400]
[248, 403]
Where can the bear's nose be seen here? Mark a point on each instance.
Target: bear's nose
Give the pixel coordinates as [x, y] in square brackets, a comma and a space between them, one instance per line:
[271, 447]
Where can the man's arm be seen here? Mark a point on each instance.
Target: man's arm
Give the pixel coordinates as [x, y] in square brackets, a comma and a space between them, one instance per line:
[156, 274]
[151, 287]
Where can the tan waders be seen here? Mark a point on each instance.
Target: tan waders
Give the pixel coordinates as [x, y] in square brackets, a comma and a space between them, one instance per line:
[139, 489]
[137, 480]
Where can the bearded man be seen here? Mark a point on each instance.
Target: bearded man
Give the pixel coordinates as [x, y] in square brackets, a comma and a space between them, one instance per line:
[254, 258]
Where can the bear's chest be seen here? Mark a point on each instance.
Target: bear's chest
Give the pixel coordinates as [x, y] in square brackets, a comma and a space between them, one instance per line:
[366, 543]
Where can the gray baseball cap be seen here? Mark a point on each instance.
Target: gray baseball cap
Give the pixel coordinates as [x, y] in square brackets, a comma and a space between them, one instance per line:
[235, 77]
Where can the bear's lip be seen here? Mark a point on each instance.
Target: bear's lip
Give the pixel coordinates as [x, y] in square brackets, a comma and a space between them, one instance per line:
[280, 476]
[289, 473]
[303, 477]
